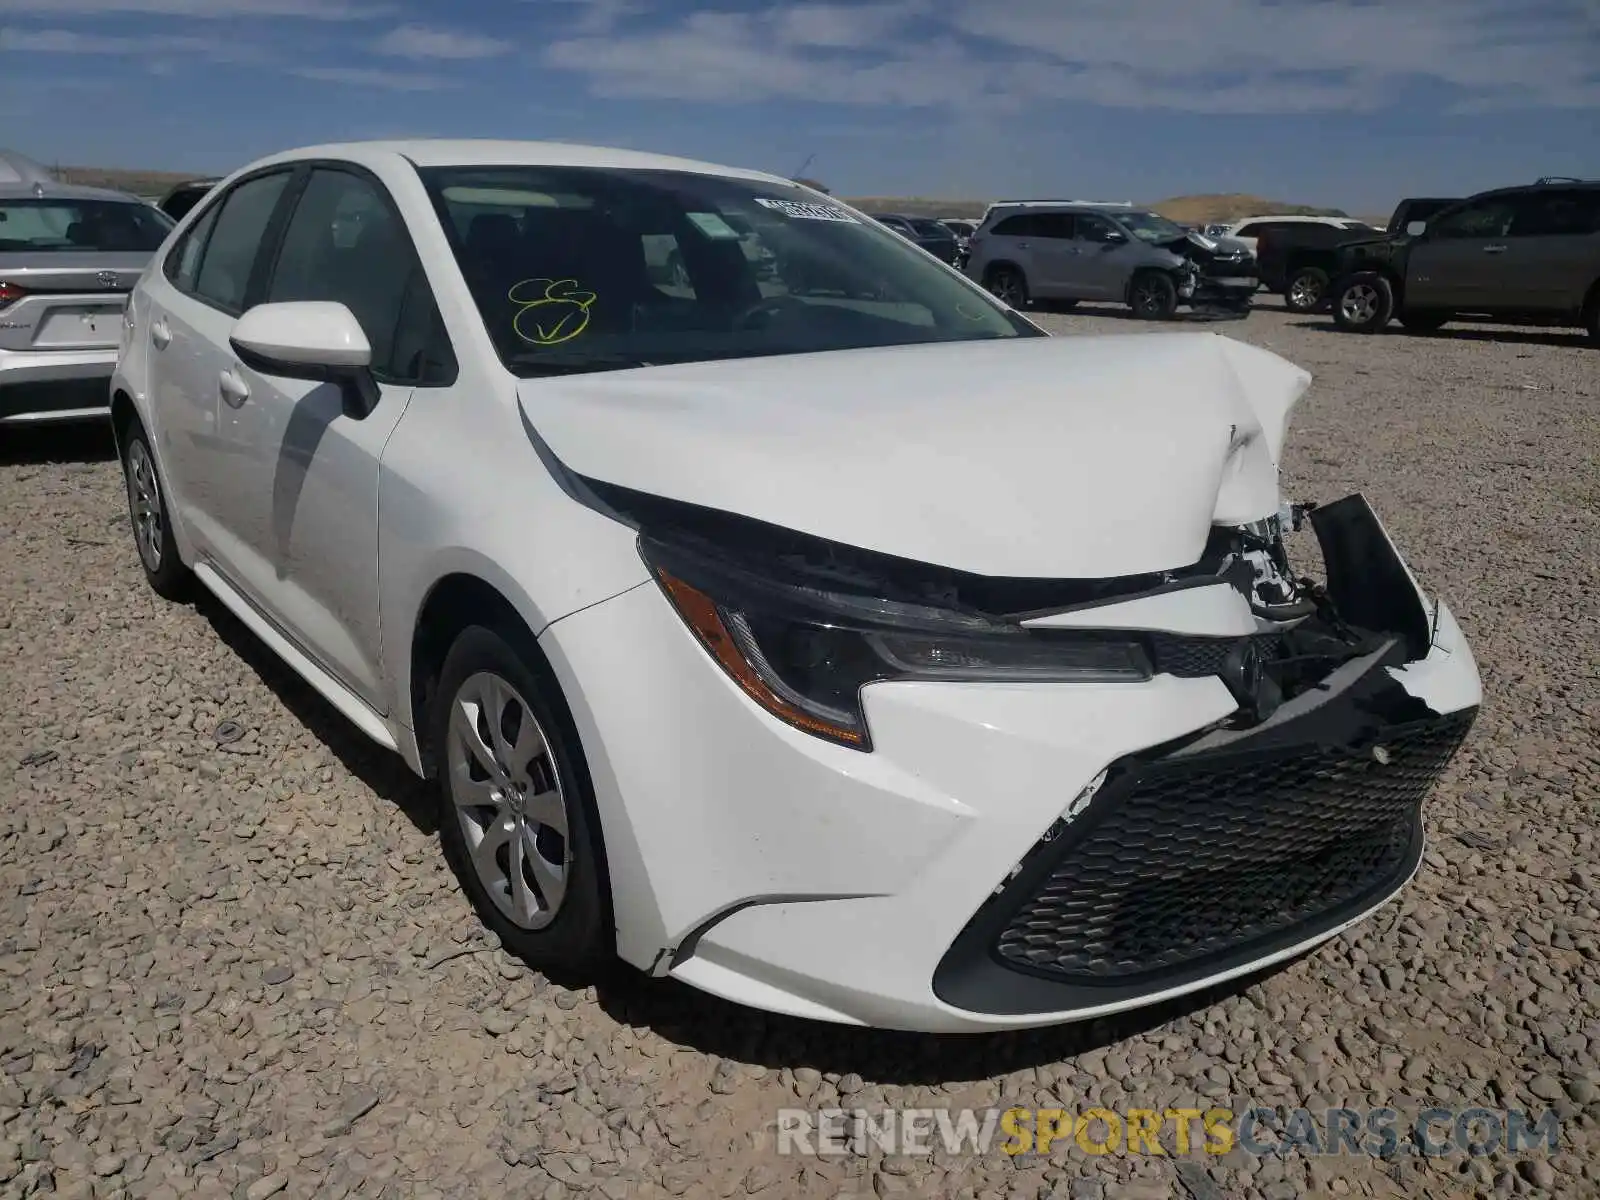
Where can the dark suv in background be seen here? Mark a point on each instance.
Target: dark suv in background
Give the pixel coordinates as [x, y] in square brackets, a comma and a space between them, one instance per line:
[1520, 255]
[937, 238]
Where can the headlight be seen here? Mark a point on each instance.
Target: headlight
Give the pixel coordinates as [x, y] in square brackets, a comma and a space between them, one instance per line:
[803, 650]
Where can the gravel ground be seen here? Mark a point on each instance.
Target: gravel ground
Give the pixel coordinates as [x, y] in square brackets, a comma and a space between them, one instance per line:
[242, 970]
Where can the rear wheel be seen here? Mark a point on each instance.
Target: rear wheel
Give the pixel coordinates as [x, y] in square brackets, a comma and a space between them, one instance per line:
[1363, 303]
[1008, 285]
[147, 511]
[1420, 321]
[1153, 296]
[1307, 290]
[516, 811]
[1591, 316]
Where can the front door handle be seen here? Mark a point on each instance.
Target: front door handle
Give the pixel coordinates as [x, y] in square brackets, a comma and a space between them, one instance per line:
[160, 333]
[235, 391]
[1494, 249]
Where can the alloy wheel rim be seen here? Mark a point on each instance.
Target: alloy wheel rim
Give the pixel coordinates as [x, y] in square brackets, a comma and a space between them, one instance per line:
[1007, 289]
[1360, 302]
[509, 800]
[1305, 292]
[144, 504]
[1147, 297]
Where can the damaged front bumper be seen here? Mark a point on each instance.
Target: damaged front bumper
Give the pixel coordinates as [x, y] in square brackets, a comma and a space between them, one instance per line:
[1018, 854]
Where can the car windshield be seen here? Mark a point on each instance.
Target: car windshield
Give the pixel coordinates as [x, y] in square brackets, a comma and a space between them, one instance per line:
[582, 268]
[104, 225]
[1149, 226]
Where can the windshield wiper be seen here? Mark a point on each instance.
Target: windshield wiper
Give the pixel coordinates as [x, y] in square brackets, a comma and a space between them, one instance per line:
[532, 364]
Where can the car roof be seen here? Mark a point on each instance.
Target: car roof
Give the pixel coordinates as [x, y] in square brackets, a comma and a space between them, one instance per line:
[1293, 217]
[22, 178]
[487, 152]
[62, 191]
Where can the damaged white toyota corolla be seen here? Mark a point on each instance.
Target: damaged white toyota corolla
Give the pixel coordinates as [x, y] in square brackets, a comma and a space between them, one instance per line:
[776, 610]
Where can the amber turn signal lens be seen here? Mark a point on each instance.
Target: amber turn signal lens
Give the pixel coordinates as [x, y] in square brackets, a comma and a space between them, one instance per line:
[700, 613]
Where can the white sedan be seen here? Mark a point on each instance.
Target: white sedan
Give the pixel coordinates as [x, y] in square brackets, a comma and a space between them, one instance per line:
[826, 637]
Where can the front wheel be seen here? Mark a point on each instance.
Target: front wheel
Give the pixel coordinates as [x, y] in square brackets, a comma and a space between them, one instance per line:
[516, 810]
[1306, 291]
[148, 512]
[1363, 303]
[1153, 297]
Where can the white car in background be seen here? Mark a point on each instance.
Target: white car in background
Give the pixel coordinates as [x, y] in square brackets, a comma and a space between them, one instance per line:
[1250, 229]
[841, 645]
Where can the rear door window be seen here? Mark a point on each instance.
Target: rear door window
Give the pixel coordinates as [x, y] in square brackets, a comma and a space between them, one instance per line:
[1556, 212]
[1055, 226]
[231, 251]
[1021, 225]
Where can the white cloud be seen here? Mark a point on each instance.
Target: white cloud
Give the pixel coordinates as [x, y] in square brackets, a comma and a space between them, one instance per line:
[374, 77]
[1216, 56]
[415, 41]
[320, 10]
[67, 41]
[589, 18]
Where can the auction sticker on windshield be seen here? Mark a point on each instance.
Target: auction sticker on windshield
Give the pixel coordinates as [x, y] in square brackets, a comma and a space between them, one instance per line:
[802, 211]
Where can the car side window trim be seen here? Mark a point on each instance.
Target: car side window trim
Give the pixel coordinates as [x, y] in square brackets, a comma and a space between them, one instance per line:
[265, 274]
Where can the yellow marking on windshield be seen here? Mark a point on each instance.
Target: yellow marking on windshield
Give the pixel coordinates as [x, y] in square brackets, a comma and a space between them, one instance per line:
[560, 310]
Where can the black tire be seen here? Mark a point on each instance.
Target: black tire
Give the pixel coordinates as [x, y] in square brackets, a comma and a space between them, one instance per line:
[1153, 296]
[1591, 316]
[1008, 285]
[1363, 302]
[1307, 290]
[148, 517]
[575, 935]
[1421, 321]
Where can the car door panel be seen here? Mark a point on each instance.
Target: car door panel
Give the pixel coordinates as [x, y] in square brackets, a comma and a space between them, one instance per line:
[191, 315]
[1054, 254]
[302, 507]
[1461, 264]
[1552, 253]
[304, 537]
[1101, 265]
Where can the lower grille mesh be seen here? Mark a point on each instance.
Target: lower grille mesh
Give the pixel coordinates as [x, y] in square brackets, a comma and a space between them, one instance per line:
[1199, 858]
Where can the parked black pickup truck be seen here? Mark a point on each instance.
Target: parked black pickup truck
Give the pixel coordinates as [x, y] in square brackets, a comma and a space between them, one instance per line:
[1297, 261]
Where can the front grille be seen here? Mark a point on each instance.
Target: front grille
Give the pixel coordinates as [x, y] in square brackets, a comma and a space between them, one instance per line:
[1191, 859]
[1243, 264]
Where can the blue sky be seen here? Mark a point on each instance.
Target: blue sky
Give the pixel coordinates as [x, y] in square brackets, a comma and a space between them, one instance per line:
[1317, 101]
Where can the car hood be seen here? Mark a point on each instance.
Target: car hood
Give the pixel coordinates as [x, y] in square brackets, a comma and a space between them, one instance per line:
[1070, 457]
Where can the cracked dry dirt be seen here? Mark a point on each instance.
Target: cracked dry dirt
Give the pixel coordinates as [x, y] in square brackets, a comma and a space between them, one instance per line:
[243, 969]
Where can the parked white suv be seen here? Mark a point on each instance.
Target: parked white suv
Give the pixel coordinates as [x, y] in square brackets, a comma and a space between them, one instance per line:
[839, 644]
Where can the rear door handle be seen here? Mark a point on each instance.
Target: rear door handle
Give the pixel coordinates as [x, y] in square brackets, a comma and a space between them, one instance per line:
[1494, 249]
[160, 333]
[235, 391]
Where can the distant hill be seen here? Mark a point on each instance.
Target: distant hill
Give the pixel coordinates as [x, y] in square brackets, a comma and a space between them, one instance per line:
[1186, 210]
[138, 183]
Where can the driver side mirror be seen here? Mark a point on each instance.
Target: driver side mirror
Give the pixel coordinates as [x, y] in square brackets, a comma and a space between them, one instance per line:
[1115, 237]
[319, 340]
[1415, 228]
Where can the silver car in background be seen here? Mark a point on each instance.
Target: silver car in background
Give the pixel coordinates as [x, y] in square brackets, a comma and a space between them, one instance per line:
[69, 256]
